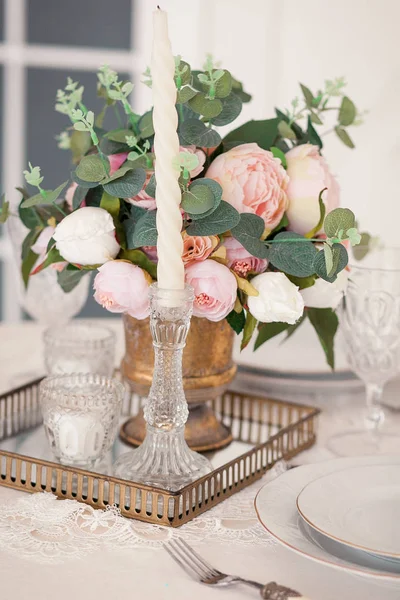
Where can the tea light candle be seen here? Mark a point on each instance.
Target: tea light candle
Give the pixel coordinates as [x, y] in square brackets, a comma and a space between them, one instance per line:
[170, 270]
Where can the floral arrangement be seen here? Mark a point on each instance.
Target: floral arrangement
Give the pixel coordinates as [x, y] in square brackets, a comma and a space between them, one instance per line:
[264, 239]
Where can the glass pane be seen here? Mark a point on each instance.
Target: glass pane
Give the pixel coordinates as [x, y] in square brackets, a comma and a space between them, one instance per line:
[80, 23]
[1, 20]
[43, 123]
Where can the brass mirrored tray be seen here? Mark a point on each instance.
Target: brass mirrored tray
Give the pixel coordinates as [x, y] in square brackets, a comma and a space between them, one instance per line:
[264, 431]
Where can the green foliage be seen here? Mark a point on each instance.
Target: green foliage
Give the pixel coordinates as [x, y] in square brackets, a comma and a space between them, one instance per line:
[248, 232]
[53, 256]
[313, 135]
[70, 277]
[216, 190]
[202, 105]
[195, 132]
[27, 265]
[279, 154]
[111, 204]
[231, 109]
[263, 133]
[150, 188]
[4, 209]
[142, 232]
[294, 258]
[339, 262]
[237, 87]
[347, 112]
[248, 330]
[197, 199]
[33, 176]
[302, 282]
[267, 331]
[137, 257]
[338, 220]
[127, 186]
[222, 219]
[118, 135]
[91, 169]
[359, 252]
[78, 197]
[48, 197]
[145, 125]
[185, 94]
[344, 137]
[286, 131]
[308, 96]
[325, 323]
[237, 321]
[322, 213]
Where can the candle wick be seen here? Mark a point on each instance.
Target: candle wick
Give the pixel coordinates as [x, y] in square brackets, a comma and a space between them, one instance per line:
[158, 6]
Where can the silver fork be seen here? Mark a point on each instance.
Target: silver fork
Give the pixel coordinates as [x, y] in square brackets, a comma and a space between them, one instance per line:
[197, 568]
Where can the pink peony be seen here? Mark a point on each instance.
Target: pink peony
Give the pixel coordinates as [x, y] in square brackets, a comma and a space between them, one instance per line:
[241, 261]
[122, 287]
[116, 161]
[143, 199]
[198, 247]
[252, 181]
[309, 174]
[200, 155]
[215, 289]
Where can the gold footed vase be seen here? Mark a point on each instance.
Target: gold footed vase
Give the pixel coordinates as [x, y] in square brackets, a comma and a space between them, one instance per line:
[208, 369]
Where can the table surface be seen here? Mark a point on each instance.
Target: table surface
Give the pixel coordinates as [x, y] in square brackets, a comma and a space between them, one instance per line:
[148, 573]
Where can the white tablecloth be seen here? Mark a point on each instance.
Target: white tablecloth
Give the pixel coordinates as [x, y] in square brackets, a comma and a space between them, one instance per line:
[145, 573]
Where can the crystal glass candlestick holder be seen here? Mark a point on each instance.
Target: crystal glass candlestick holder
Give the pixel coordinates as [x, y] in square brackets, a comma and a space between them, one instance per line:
[164, 459]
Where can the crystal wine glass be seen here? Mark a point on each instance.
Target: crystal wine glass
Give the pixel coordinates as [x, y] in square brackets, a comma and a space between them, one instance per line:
[370, 321]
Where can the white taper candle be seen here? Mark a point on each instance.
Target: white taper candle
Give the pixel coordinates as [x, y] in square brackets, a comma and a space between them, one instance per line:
[170, 271]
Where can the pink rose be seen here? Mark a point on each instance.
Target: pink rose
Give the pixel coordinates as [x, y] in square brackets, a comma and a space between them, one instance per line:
[241, 261]
[143, 199]
[196, 247]
[200, 155]
[122, 287]
[215, 289]
[309, 174]
[116, 161]
[252, 181]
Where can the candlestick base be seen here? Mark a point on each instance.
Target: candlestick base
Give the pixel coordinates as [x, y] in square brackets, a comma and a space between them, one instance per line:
[164, 459]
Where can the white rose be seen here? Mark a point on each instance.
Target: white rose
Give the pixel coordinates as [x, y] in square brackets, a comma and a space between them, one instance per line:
[324, 294]
[87, 237]
[278, 299]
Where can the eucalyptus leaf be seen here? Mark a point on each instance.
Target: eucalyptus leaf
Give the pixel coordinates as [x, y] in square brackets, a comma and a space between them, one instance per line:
[237, 87]
[325, 323]
[308, 95]
[216, 189]
[198, 199]
[322, 212]
[91, 169]
[222, 219]
[145, 125]
[328, 253]
[82, 183]
[194, 132]
[224, 85]
[236, 321]
[68, 279]
[119, 135]
[263, 133]
[80, 144]
[203, 106]
[111, 204]
[315, 119]
[344, 137]
[248, 232]
[51, 196]
[267, 331]
[295, 257]
[29, 240]
[338, 219]
[143, 232]
[347, 112]
[29, 216]
[339, 259]
[127, 186]
[185, 94]
[360, 251]
[94, 195]
[302, 282]
[78, 197]
[185, 72]
[231, 109]
[27, 265]
[286, 131]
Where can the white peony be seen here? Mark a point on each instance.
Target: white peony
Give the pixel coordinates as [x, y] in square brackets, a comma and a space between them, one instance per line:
[87, 237]
[324, 294]
[278, 299]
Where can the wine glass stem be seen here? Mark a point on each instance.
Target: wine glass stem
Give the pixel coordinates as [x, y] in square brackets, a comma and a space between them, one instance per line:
[375, 415]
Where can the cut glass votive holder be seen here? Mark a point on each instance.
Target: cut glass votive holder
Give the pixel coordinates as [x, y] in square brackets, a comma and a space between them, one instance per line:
[81, 416]
[79, 347]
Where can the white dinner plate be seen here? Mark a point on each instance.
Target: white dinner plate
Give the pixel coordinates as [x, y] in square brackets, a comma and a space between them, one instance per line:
[358, 507]
[276, 509]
